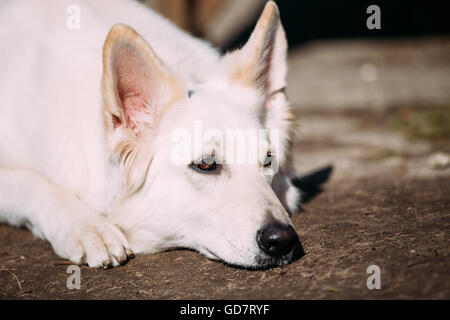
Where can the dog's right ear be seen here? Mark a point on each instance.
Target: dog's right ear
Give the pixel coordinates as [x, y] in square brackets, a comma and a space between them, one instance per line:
[137, 90]
[137, 86]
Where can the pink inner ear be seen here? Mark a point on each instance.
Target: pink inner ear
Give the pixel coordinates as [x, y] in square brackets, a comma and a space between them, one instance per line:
[133, 76]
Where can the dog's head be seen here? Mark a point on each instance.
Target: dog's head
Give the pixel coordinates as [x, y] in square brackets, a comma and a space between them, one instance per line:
[198, 159]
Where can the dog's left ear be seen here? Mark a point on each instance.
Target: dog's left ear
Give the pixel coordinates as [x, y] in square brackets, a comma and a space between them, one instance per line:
[262, 60]
[262, 64]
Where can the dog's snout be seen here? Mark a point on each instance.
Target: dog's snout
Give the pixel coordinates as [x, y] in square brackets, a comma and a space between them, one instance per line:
[277, 239]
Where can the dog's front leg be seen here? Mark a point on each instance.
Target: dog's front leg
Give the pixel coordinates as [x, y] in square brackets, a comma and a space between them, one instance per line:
[75, 232]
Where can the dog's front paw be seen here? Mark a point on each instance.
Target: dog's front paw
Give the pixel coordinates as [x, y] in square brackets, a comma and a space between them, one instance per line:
[97, 243]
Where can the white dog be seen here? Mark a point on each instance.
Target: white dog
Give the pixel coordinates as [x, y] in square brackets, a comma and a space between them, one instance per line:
[87, 135]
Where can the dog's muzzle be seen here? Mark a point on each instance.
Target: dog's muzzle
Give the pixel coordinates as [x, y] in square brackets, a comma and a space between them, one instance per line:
[280, 243]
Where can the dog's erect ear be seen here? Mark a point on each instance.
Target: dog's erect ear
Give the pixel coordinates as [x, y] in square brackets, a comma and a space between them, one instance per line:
[261, 63]
[137, 90]
[137, 87]
[262, 60]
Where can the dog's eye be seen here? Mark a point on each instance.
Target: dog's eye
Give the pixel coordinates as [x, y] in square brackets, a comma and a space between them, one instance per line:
[268, 160]
[207, 164]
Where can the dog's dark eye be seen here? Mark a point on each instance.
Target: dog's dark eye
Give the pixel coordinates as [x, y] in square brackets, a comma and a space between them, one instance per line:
[207, 164]
[268, 160]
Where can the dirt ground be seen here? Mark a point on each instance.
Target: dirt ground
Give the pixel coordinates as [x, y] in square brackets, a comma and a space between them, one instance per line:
[401, 226]
[386, 204]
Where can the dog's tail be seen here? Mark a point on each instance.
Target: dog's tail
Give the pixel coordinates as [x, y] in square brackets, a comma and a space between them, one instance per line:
[310, 185]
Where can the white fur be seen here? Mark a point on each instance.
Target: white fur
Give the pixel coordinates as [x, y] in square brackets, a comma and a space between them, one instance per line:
[58, 174]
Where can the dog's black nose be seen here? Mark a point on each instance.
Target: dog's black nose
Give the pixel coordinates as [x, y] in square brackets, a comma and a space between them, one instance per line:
[277, 239]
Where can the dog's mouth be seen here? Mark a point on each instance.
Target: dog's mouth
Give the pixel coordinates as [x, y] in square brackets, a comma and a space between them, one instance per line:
[212, 255]
[265, 261]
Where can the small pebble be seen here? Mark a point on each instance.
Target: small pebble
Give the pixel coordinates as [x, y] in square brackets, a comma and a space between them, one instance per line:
[439, 161]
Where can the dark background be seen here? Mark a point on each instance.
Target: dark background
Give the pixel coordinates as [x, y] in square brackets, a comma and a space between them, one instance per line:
[330, 19]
